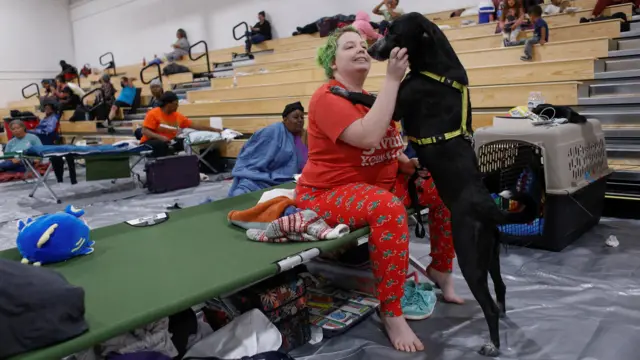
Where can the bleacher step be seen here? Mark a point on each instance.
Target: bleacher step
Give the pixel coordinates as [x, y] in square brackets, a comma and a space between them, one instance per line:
[628, 44]
[625, 150]
[617, 74]
[610, 100]
[632, 63]
[630, 34]
[612, 115]
[611, 87]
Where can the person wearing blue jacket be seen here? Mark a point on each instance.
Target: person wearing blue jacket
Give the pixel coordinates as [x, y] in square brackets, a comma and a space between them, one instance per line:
[47, 132]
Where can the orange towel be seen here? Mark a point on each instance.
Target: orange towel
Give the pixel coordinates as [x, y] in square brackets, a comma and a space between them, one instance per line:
[261, 215]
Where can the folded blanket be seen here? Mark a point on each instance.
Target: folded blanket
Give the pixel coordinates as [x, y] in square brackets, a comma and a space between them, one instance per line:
[261, 215]
[305, 225]
[13, 176]
[57, 150]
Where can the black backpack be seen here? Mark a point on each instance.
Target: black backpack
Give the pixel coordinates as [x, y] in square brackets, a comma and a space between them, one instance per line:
[174, 68]
[29, 319]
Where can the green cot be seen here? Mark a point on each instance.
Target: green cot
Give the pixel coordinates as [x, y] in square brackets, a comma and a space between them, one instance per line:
[138, 275]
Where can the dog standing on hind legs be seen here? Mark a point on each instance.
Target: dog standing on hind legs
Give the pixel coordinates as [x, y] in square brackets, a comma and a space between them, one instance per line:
[434, 104]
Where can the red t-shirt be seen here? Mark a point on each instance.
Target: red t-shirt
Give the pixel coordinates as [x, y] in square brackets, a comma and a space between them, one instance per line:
[333, 162]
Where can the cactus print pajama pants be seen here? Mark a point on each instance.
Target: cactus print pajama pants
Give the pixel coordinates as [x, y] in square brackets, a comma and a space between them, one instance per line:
[385, 212]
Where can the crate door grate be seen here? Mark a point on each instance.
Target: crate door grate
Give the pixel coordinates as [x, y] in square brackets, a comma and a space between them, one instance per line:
[516, 166]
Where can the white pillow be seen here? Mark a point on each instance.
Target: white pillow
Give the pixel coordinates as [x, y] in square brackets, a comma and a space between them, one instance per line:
[199, 137]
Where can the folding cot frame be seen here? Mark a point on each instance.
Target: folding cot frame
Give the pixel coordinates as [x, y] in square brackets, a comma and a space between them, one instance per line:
[150, 268]
[41, 180]
[190, 149]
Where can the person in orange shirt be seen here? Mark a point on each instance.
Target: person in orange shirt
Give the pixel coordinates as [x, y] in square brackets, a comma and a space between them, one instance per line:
[357, 174]
[161, 125]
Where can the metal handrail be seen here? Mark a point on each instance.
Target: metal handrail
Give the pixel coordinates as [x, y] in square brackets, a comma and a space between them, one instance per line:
[112, 61]
[34, 94]
[244, 34]
[205, 54]
[157, 77]
[95, 104]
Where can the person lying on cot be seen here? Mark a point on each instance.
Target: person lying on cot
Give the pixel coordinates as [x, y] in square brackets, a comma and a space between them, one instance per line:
[273, 154]
[357, 174]
[47, 132]
[20, 141]
[161, 125]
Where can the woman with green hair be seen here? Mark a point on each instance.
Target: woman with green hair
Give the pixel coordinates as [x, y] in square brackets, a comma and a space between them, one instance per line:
[357, 174]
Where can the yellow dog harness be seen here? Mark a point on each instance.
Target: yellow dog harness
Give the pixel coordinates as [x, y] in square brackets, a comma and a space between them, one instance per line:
[465, 104]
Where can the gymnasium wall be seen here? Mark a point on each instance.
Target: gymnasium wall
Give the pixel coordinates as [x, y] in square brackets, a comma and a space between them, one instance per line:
[36, 35]
[133, 29]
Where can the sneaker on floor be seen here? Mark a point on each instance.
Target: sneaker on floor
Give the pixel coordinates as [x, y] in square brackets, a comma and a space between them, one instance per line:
[526, 58]
[505, 43]
[419, 300]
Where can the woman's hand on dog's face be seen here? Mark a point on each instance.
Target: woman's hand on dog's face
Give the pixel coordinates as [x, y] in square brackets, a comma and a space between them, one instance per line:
[397, 64]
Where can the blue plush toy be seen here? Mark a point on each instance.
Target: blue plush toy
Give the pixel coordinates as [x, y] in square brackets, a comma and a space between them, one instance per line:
[54, 238]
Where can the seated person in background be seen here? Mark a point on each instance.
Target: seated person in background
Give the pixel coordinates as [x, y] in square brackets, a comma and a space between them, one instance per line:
[161, 125]
[47, 132]
[69, 99]
[125, 99]
[20, 141]
[49, 92]
[107, 97]
[273, 154]
[69, 72]
[356, 174]
[510, 21]
[363, 25]
[390, 12]
[63, 83]
[603, 4]
[527, 4]
[156, 93]
[540, 33]
[260, 32]
[180, 47]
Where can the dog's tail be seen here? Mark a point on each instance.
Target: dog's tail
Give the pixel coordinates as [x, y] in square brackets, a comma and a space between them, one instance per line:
[526, 212]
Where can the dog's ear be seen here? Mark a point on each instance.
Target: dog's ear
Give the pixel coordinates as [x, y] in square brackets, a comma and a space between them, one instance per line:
[427, 27]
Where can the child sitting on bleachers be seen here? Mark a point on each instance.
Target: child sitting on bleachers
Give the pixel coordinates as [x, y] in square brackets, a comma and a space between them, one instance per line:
[540, 33]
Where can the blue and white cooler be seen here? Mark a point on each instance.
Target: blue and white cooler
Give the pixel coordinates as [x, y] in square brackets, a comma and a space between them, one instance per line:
[485, 9]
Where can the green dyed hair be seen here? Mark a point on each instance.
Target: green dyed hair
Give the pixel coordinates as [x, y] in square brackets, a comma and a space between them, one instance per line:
[327, 52]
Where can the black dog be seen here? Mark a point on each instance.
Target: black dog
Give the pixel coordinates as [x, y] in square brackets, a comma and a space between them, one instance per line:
[434, 104]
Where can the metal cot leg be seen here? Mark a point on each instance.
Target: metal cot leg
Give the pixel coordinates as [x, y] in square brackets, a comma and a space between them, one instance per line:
[41, 179]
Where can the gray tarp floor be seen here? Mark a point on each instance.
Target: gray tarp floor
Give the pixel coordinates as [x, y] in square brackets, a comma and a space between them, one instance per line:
[580, 304]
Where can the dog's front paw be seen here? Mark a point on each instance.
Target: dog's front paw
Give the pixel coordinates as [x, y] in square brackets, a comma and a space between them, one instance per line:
[502, 310]
[489, 350]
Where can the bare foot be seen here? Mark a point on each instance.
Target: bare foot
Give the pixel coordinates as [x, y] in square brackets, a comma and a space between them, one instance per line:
[401, 335]
[445, 283]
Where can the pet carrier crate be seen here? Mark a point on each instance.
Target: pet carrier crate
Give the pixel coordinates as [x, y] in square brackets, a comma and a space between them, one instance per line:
[564, 168]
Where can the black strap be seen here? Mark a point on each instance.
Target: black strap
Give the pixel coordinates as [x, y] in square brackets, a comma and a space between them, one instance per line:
[415, 203]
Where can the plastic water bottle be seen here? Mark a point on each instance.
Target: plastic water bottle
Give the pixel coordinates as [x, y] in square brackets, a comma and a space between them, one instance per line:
[535, 99]
[235, 81]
